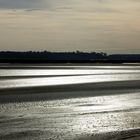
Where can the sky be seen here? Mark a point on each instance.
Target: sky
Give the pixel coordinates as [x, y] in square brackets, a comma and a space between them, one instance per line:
[111, 26]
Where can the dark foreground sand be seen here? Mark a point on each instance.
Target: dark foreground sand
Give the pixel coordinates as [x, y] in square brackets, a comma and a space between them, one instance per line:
[44, 135]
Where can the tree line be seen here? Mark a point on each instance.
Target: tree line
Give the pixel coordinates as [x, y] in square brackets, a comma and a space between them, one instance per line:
[46, 56]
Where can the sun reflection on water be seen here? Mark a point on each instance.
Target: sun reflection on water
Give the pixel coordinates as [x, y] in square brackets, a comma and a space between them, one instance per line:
[114, 113]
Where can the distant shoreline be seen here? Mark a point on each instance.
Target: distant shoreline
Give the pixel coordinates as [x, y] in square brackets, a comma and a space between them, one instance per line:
[66, 57]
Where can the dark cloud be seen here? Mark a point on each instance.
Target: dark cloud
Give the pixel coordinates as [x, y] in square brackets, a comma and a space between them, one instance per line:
[39, 4]
[25, 4]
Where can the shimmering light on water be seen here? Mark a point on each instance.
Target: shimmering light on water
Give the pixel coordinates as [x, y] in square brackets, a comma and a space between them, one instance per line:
[32, 116]
[66, 76]
[67, 80]
[72, 117]
[49, 72]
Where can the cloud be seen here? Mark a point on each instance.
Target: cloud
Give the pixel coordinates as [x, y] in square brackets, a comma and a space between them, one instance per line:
[101, 6]
[25, 4]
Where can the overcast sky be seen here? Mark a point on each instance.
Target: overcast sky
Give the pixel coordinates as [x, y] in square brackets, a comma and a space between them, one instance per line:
[111, 26]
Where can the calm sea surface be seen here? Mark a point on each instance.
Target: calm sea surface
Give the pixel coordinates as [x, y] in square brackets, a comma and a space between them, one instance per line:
[69, 102]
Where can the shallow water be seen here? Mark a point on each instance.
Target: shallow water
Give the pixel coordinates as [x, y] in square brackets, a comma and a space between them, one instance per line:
[12, 78]
[113, 116]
